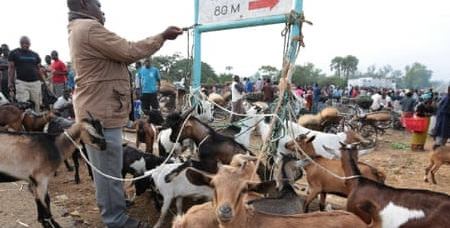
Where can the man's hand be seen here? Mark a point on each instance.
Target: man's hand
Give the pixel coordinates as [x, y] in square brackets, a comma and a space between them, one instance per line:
[172, 33]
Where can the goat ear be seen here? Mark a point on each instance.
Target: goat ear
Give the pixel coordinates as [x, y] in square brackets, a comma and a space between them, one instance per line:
[198, 178]
[263, 187]
[311, 139]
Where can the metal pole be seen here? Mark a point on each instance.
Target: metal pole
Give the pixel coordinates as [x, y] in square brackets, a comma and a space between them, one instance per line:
[295, 32]
[197, 65]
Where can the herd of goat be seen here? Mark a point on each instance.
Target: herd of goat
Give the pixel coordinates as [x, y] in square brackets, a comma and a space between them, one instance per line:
[186, 158]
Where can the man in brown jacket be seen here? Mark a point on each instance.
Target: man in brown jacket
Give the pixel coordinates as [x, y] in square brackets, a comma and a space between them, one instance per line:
[100, 60]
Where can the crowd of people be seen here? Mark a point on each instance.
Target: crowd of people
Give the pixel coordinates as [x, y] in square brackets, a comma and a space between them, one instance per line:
[25, 79]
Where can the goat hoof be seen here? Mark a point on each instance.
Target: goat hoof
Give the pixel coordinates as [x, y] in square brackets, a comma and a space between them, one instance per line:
[425, 180]
[50, 223]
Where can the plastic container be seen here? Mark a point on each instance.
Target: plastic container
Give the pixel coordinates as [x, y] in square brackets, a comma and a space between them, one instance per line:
[415, 124]
[137, 109]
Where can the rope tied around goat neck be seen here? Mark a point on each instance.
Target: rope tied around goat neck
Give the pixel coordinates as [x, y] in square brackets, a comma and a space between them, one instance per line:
[145, 175]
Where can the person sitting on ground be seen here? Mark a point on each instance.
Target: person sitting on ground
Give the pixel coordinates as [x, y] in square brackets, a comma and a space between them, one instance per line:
[63, 106]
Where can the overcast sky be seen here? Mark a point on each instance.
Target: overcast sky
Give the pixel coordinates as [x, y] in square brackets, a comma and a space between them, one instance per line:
[396, 32]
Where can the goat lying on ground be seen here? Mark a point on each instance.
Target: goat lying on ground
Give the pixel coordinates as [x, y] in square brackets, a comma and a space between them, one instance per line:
[439, 156]
[146, 130]
[320, 181]
[34, 157]
[316, 122]
[231, 210]
[392, 207]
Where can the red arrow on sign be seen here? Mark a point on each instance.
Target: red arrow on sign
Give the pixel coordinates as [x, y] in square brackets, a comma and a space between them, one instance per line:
[260, 4]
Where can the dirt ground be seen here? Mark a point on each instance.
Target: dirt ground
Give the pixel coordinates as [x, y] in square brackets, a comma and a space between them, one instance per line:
[74, 205]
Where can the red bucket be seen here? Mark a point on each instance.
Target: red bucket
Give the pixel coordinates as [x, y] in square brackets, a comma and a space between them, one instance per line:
[415, 124]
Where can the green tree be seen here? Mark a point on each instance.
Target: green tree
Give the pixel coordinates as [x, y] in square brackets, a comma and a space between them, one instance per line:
[225, 78]
[165, 62]
[417, 76]
[182, 68]
[337, 65]
[349, 66]
[307, 75]
[271, 72]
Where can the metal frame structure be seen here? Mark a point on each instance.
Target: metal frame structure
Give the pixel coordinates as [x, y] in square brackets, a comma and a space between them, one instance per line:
[252, 22]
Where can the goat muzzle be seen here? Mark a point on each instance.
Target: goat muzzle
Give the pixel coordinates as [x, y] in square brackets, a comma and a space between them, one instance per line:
[225, 213]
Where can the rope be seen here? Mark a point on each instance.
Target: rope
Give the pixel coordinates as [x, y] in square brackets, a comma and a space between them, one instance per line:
[292, 136]
[80, 149]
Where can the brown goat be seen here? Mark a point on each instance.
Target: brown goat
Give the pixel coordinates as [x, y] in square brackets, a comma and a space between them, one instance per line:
[17, 163]
[439, 156]
[231, 210]
[374, 202]
[36, 122]
[320, 181]
[11, 117]
[203, 215]
[315, 122]
[147, 130]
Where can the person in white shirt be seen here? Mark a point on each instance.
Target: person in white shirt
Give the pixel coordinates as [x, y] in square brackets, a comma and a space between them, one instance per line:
[386, 101]
[376, 102]
[63, 106]
[259, 85]
[237, 93]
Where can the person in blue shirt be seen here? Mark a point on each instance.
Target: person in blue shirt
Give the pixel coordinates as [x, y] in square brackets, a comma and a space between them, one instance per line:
[248, 86]
[316, 98]
[150, 83]
[70, 77]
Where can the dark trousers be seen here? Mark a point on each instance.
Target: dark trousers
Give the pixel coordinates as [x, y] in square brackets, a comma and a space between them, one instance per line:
[149, 99]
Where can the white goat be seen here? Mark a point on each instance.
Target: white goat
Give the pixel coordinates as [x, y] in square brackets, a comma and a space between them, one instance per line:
[326, 145]
[178, 188]
[248, 125]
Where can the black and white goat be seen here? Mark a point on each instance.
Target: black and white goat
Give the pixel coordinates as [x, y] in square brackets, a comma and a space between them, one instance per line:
[34, 157]
[178, 188]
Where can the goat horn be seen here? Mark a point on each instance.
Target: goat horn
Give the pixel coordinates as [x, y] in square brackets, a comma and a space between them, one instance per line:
[307, 133]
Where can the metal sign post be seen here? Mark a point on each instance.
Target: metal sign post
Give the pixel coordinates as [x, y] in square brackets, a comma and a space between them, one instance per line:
[216, 15]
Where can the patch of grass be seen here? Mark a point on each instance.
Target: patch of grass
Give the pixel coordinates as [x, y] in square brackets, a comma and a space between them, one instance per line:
[399, 146]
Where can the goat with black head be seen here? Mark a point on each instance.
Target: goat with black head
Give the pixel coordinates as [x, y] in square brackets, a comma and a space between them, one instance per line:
[34, 157]
[212, 146]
